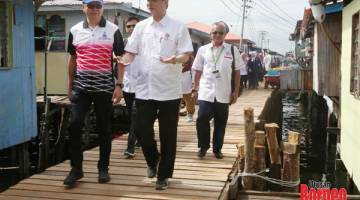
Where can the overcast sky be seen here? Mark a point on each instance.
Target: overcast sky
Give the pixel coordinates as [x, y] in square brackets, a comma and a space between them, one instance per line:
[277, 17]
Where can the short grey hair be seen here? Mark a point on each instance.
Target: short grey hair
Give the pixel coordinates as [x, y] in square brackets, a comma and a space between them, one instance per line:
[222, 23]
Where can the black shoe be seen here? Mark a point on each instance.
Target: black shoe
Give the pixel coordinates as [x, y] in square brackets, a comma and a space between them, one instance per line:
[218, 155]
[104, 176]
[74, 175]
[202, 152]
[129, 153]
[151, 171]
[162, 184]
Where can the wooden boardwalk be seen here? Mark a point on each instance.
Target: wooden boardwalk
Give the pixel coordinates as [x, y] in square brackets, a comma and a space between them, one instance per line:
[194, 178]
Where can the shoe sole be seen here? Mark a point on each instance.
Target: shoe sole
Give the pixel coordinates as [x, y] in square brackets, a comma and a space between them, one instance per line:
[129, 155]
[153, 176]
[162, 188]
[103, 180]
[70, 184]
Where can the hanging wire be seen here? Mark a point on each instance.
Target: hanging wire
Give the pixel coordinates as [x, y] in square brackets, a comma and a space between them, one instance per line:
[289, 184]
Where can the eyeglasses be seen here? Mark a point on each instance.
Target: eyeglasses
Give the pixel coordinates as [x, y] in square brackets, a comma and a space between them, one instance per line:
[217, 32]
[94, 5]
[130, 26]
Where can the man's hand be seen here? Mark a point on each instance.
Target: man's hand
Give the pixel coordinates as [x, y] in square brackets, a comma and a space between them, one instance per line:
[69, 94]
[117, 95]
[233, 97]
[124, 60]
[194, 95]
[170, 60]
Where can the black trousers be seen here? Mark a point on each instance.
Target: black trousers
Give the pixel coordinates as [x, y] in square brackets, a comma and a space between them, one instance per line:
[167, 114]
[131, 108]
[80, 105]
[243, 81]
[207, 111]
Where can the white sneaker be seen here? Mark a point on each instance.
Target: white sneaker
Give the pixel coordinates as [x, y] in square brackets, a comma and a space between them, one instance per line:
[189, 118]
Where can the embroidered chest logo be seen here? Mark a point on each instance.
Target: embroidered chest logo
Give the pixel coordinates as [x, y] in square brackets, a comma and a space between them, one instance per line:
[165, 37]
[104, 36]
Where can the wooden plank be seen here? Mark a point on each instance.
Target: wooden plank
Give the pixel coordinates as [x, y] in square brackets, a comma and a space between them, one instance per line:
[109, 191]
[16, 197]
[22, 194]
[193, 179]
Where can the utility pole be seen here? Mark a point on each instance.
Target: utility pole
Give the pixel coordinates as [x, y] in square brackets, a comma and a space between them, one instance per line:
[262, 36]
[268, 41]
[242, 25]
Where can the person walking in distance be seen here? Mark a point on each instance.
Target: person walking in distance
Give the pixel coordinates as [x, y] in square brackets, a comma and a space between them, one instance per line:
[161, 43]
[187, 79]
[91, 45]
[129, 91]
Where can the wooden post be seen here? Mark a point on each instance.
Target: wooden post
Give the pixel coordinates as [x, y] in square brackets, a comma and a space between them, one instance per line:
[331, 148]
[259, 138]
[260, 166]
[294, 137]
[241, 157]
[260, 150]
[274, 151]
[291, 167]
[249, 147]
[273, 144]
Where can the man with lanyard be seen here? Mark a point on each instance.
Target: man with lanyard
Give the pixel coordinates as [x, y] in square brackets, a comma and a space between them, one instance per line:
[91, 45]
[129, 91]
[160, 42]
[212, 88]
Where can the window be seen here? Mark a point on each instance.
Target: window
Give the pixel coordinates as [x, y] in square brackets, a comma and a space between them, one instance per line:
[56, 29]
[40, 32]
[53, 27]
[6, 17]
[355, 64]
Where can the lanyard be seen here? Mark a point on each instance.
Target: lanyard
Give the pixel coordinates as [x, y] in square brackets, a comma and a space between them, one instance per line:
[217, 57]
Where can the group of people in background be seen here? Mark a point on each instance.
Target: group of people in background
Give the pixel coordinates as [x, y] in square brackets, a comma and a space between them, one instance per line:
[155, 69]
[256, 67]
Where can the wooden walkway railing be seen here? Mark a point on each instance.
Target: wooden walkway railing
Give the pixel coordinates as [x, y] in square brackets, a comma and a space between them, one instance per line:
[194, 178]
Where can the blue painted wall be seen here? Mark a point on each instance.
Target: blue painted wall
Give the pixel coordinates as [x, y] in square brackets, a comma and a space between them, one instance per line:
[17, 84]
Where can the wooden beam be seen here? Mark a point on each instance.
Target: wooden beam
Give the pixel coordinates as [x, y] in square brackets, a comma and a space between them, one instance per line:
[249, 147]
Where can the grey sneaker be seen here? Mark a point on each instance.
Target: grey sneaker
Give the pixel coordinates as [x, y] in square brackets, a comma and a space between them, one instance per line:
[162, 184]
[129, 154]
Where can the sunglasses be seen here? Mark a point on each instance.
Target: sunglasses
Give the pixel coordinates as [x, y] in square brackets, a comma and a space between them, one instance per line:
[94, 5]
[130, 26]
[217, 32]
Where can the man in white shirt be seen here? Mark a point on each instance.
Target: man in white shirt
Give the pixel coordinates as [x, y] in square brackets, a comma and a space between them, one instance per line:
[160, 42]
[267, 62]
[212, 88]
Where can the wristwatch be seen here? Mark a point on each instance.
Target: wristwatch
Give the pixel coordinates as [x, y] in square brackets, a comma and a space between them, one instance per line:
[121, 85]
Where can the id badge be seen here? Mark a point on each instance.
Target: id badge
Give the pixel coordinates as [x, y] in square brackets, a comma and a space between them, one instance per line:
[216, 73]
